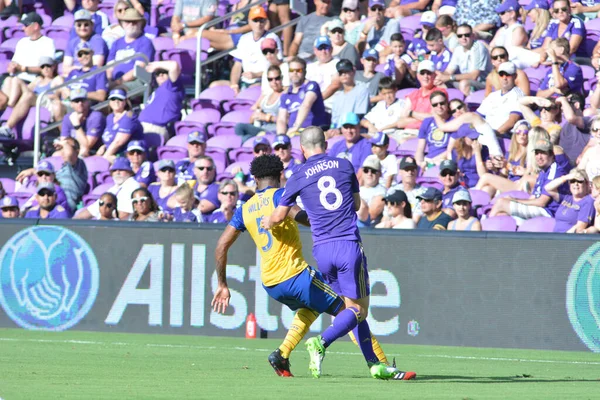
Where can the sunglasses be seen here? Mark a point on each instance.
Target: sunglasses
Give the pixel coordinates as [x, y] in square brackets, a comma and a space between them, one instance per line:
[260, 20]
[77, 101]
[458, 108]
[463, 35]
[367, 170]
[502, 13]
[275, 78]
[102, 203]
[297, 70]
[43, 174]
[441, 103]
[502, 56]
[576, 181]
[171, 170]
[268, 51]
[281, 147]
[229, 193]
[376, 8]
[525, 132]
[323, 48]
[82, 24]
[140, 200]
[115, 99]
[83, 54]
[391, 203]
[338, 30]
[536, 152]
[44, 193]
[135, 152]
[551, 108]
[205, 168]
[46, 66]
[445, 173]
[426, 200]
[503, 74]
[425, 72]
[349, 9]
[463, 203]
[563, 9]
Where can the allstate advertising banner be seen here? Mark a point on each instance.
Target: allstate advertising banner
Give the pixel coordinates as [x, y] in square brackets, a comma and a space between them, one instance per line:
[539, 291]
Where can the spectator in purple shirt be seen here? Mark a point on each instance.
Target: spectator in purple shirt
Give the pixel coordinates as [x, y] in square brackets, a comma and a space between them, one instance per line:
[133, 42]
[143, 169]
[86, 38]
[439, 55]
[164, 189]
[186, 210]
[165, 104]
[47, 207]
[121, 126]
[96, 86]
[83, 124]
[576, 211]
[99, 18]
[205, 187]
[449, 178]
[10, 207]
[564, 25]
[45, 173]
[469, 154]
[355, 148]
[431, 136]
[565, 76]
[228, 196]
[196, 148]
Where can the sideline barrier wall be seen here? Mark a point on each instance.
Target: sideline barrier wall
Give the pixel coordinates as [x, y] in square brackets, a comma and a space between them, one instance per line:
[537, 291]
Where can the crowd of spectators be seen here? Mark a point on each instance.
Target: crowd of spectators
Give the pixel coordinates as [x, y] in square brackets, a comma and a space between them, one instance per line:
[452, 112]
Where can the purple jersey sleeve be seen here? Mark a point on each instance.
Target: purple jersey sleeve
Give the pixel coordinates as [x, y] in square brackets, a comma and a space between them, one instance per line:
[95, 124]
[67, 126]
[145, 174]
[237, 221]
[587, 213]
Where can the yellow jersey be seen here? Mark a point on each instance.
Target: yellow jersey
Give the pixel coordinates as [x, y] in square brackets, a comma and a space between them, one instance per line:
[280, 248]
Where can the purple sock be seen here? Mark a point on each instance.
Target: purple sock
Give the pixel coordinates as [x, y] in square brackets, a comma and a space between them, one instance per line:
[343, 323]
[362, 333]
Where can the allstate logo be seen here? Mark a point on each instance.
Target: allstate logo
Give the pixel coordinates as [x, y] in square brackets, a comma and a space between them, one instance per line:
[48, 278]
[583, 297]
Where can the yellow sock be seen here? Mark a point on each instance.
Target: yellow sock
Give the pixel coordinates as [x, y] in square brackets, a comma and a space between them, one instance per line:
[300, 325]
[376, 347]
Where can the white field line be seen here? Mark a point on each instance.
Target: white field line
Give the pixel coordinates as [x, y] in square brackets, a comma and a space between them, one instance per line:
[97, 343]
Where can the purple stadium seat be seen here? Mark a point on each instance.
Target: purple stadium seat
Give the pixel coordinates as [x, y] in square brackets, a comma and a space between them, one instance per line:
[536, 76]
[219, 156]
[237, 105]
[503, 223]
[162, 44]
[538, 224]
[190, 44]
[7, 48]
[433, 171]
[153, 140]
[185, 58]
[96, 164]
[251, 93]
[65, 21]
[103, 178]
[8, 184]
[178, 141]
[455, 94]
[400, 153]
[14, 32]
[223, 129]
[409, 145]
[171, 152]
[102, 188]
[380, 68]
[212, 97]
[402, 93]
[517, 194]
[4, 66]
[408, 25]
[333, 140]
[22, 197]
[183, 128]
[203, 115]
[241, 116]
[296, 142]
[225, 142]
[474, 99]
[244, 165]
[241, 154]
[28, 125]
[479, 197]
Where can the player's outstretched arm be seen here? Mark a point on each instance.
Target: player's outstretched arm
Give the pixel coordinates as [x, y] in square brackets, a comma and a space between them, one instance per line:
[276, 217]
[300, 216]
[221, 298]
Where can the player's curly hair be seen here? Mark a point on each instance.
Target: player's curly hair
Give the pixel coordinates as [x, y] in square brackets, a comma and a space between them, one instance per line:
[266, 166]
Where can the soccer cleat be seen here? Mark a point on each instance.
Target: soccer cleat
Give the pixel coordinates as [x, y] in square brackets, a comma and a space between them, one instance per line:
[385, 372]
[316, 351]
[280, 365]
[401, 375]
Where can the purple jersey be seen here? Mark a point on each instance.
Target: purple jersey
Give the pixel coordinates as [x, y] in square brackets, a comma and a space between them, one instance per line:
[96, 43]
[570, 212]
[61, 200]
[418, 47]
[186, 216]
[145, 174]
[93, 125]
[211, 193]
[92, 84]
[184, 170]
[437, 140]
[98, 27]
[154, 189]
[58, 212]
[575, 27]
[441, 61]
[355, 154]
[165, 104]
[216, 217]
[127, 125]
[450, 3]
[326, 186]
[121, 49]
[291, 102]
[291, 168]
[447, 197]
[571, 72]
[468, 166]
[555, 170]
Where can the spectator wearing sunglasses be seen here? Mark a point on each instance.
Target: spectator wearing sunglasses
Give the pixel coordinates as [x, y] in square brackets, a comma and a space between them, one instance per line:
[564, 76]
[431, 137]
[350, 16]
[469, 155]
[282, 146]
[196, 148]
[550, 116]
[145, 208]
[371, 192]
[323, 70]
[309, 28]
[370, 77]
[352, 98]
[493, 82]
[85, 38]
[590, 158]
[431, 206]
[564, 25]
[576, 211]
[47, 207]
[335, 30]
[45, 174]
[449, 176]
[269, 50]
[398, 214]
[163, 190]
[96, 86]
[470, 63]
[83, 124]
[98, 17]
[354, 148]
[376, 31]
[205, 187]
[9, 207]
[408, 184]
[107, 205]
[461, 202]
[389, 163]
[228, 196]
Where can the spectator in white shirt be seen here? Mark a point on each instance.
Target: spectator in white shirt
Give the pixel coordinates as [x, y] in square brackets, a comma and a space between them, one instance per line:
[323, 70]
[389, 164]
[384, 116]
[371, 192]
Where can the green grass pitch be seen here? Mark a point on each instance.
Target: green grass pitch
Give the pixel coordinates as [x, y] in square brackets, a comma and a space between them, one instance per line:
[85, 365]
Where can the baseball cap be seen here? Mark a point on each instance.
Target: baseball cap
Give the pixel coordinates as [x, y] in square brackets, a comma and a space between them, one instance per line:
[426, 65]
[32, 17]
[82, 15]
[9, 201]
[430, 193]
[543, 145]
[335, 24]
[507, 67]
[461, 195]
[322, 41]
[428, 18]
[45, 60]
[580, 175]
[344, 65]
[397, 196]
[45, 185]
[84, 46]
[121, 163]
[165, 164]
[131, 15]
[519, 123]
[449, 165]
[370, 53]
[257, 12]
[376, 3]
[78, 93]
[44, 166]
[260, 140]
[543, 4]
[117, 94]
[268, 43]
[408, 162]
[508, 5]
[282, 140]
[466, 130]
[136, 145]
[380, 139]
[196, 137]
[372, 162]
[351, 4]
[349, 119]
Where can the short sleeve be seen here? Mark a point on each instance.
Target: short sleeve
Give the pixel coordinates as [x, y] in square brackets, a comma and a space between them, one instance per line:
[237, 221]
[587, 212]
[291, 191]
[209, 8]
[578, 27]
[423, 129]
[354, 182]
[277, 196]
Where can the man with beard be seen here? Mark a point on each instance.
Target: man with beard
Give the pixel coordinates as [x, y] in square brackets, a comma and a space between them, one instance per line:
[47, 207]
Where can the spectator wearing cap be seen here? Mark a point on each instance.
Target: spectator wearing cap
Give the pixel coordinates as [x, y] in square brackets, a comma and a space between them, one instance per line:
[269, 50]
[334, 29]
[461, 202]
[47, 79]
[10, 207]
[186, 210]
[350, 16]
[449, 176]
[265, 108]
[47, 207]
[87, 39]
[166, 101]
[408, 184]
[371, 192]
[309, 28]
[302, 105]
[399, 213]
[444, 7]
[189, 15]
[469, 65]
[575, 131]
[389, 164]
[418, 49]
[205, 187]
[376, 31]
[246, 184]
[470, 156]
[564, 76]
[133, 42]
[549, 118]
[98, 17]
[493, 82]
[439, 55]
[121, 126]
[83, 124]
[323, 70]
[385, 114]
[96, 86]
[282, 146]
[541, 203]
[352, 98]
[354, 148]
[196, 148]
[431, 136]
[228, 196]
[431, 206]
[369, 76]
[163, 190]
[143, 169]
[537, 12]
[125, 184]
[564, 25]
[397, 62]
[576, 211]
[45, 173]
[512, 34]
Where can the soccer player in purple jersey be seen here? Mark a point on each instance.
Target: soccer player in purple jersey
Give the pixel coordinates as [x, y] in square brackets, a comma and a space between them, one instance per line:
[330, 194]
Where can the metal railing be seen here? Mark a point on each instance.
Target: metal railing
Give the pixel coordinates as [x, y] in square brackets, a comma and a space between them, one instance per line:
[41, 96]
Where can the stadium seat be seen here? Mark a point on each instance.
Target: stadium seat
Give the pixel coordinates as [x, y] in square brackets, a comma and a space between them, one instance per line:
[96, 164]
[455, 94]
[409, 145]
[219, 156]
[538, 224]
[252, 93]
[175, 153]
[433, 172]
[179, 141]
[479, 197]
[237, 105]
[402, 93]
[241, 154]
[408, 26]
[473, 101]
[504, 223]
[225, 142]
[9, 185]
[204, 115]
[212, 97]
[183, 128]
[162, 44]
